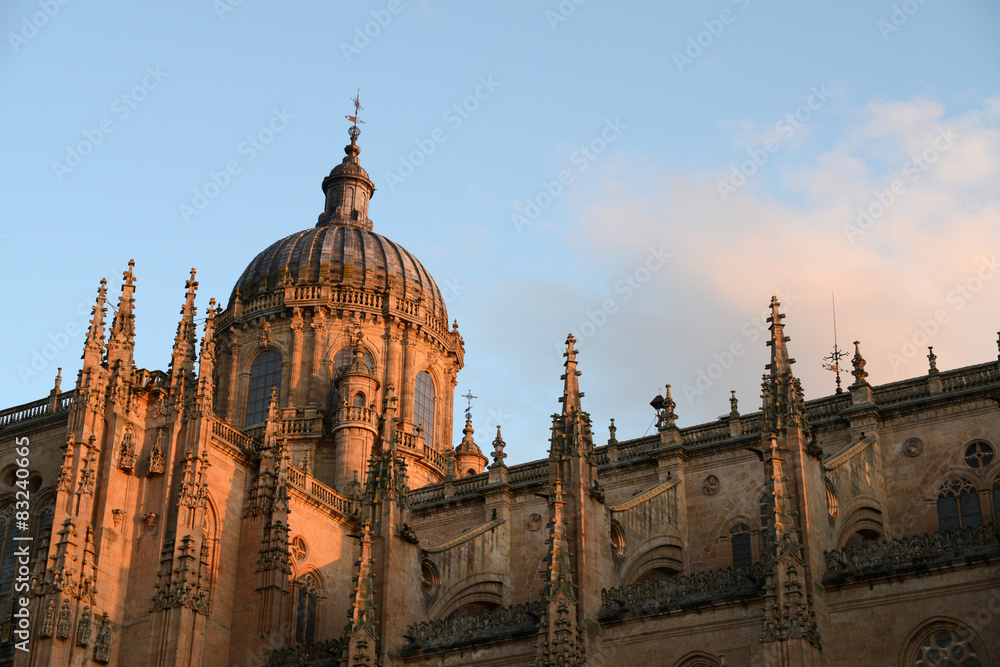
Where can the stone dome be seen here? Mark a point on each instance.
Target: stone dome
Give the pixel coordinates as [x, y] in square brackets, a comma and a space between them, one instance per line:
[342, 249]
[346, 255]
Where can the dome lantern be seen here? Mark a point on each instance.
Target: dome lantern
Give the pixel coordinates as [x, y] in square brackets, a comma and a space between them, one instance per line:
[348, 188]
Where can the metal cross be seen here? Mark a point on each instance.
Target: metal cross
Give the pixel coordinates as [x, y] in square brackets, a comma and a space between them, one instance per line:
[354, 131]
[468, 409]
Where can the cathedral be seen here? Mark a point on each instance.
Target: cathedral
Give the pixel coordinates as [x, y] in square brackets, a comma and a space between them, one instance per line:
[287, 492]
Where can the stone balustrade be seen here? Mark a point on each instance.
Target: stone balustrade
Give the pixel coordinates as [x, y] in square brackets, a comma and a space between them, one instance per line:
[911, 554]
[478, 628]
[660, 596]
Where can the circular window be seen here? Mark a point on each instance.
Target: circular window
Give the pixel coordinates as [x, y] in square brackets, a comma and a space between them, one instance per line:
[430, 582]
[946, 648]
[618, 545]
[978, 455]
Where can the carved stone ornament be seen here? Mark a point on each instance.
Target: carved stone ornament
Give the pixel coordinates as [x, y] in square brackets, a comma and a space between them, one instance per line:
[711, 485]
[65, 623]
[83, 628]
[534, 522]
[150, 520]
[913, 447]
[117, 515]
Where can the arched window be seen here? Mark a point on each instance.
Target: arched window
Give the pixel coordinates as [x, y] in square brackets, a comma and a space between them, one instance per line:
[996, 500]
[358, 400]
[305, 610]
[341, 360]
[766, 507]
[44, 535]
[8, 547]
[423, 405]
[958, 505]
[739, 536]
[947, 648]
[265, 373]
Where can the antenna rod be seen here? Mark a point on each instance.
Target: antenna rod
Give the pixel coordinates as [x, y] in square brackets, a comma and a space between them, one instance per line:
[836, 355]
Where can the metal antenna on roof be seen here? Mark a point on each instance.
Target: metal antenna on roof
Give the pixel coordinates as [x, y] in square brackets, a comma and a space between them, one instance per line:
[835, 356]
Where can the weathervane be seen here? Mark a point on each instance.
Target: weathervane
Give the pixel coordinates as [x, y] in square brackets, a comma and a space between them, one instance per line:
[354, 131]
[468, 409]
[835, 356]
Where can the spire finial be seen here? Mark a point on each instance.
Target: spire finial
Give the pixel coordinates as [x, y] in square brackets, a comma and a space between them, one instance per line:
[931, 361]
[354, 131]
[734, 404]
[498, 453]
[612, 432]
[665, 416]
[780, 361]
[858, 361]
[571, 387]
[121, 342]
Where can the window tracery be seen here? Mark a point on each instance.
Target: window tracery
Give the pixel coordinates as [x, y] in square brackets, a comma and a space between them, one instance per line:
[958, 505]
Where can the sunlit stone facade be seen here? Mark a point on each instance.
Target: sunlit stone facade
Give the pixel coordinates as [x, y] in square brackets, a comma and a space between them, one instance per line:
[287, 491]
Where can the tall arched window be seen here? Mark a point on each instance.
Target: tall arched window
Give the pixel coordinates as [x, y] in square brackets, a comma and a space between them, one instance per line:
[341, 360]
[265, 373]
[8, 563]
[739, 536]
[996, 500]
[958, 505]
[423, 405]
[305, 610]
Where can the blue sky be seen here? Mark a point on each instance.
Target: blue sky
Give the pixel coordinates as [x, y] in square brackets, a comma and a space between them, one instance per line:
[646, 176]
